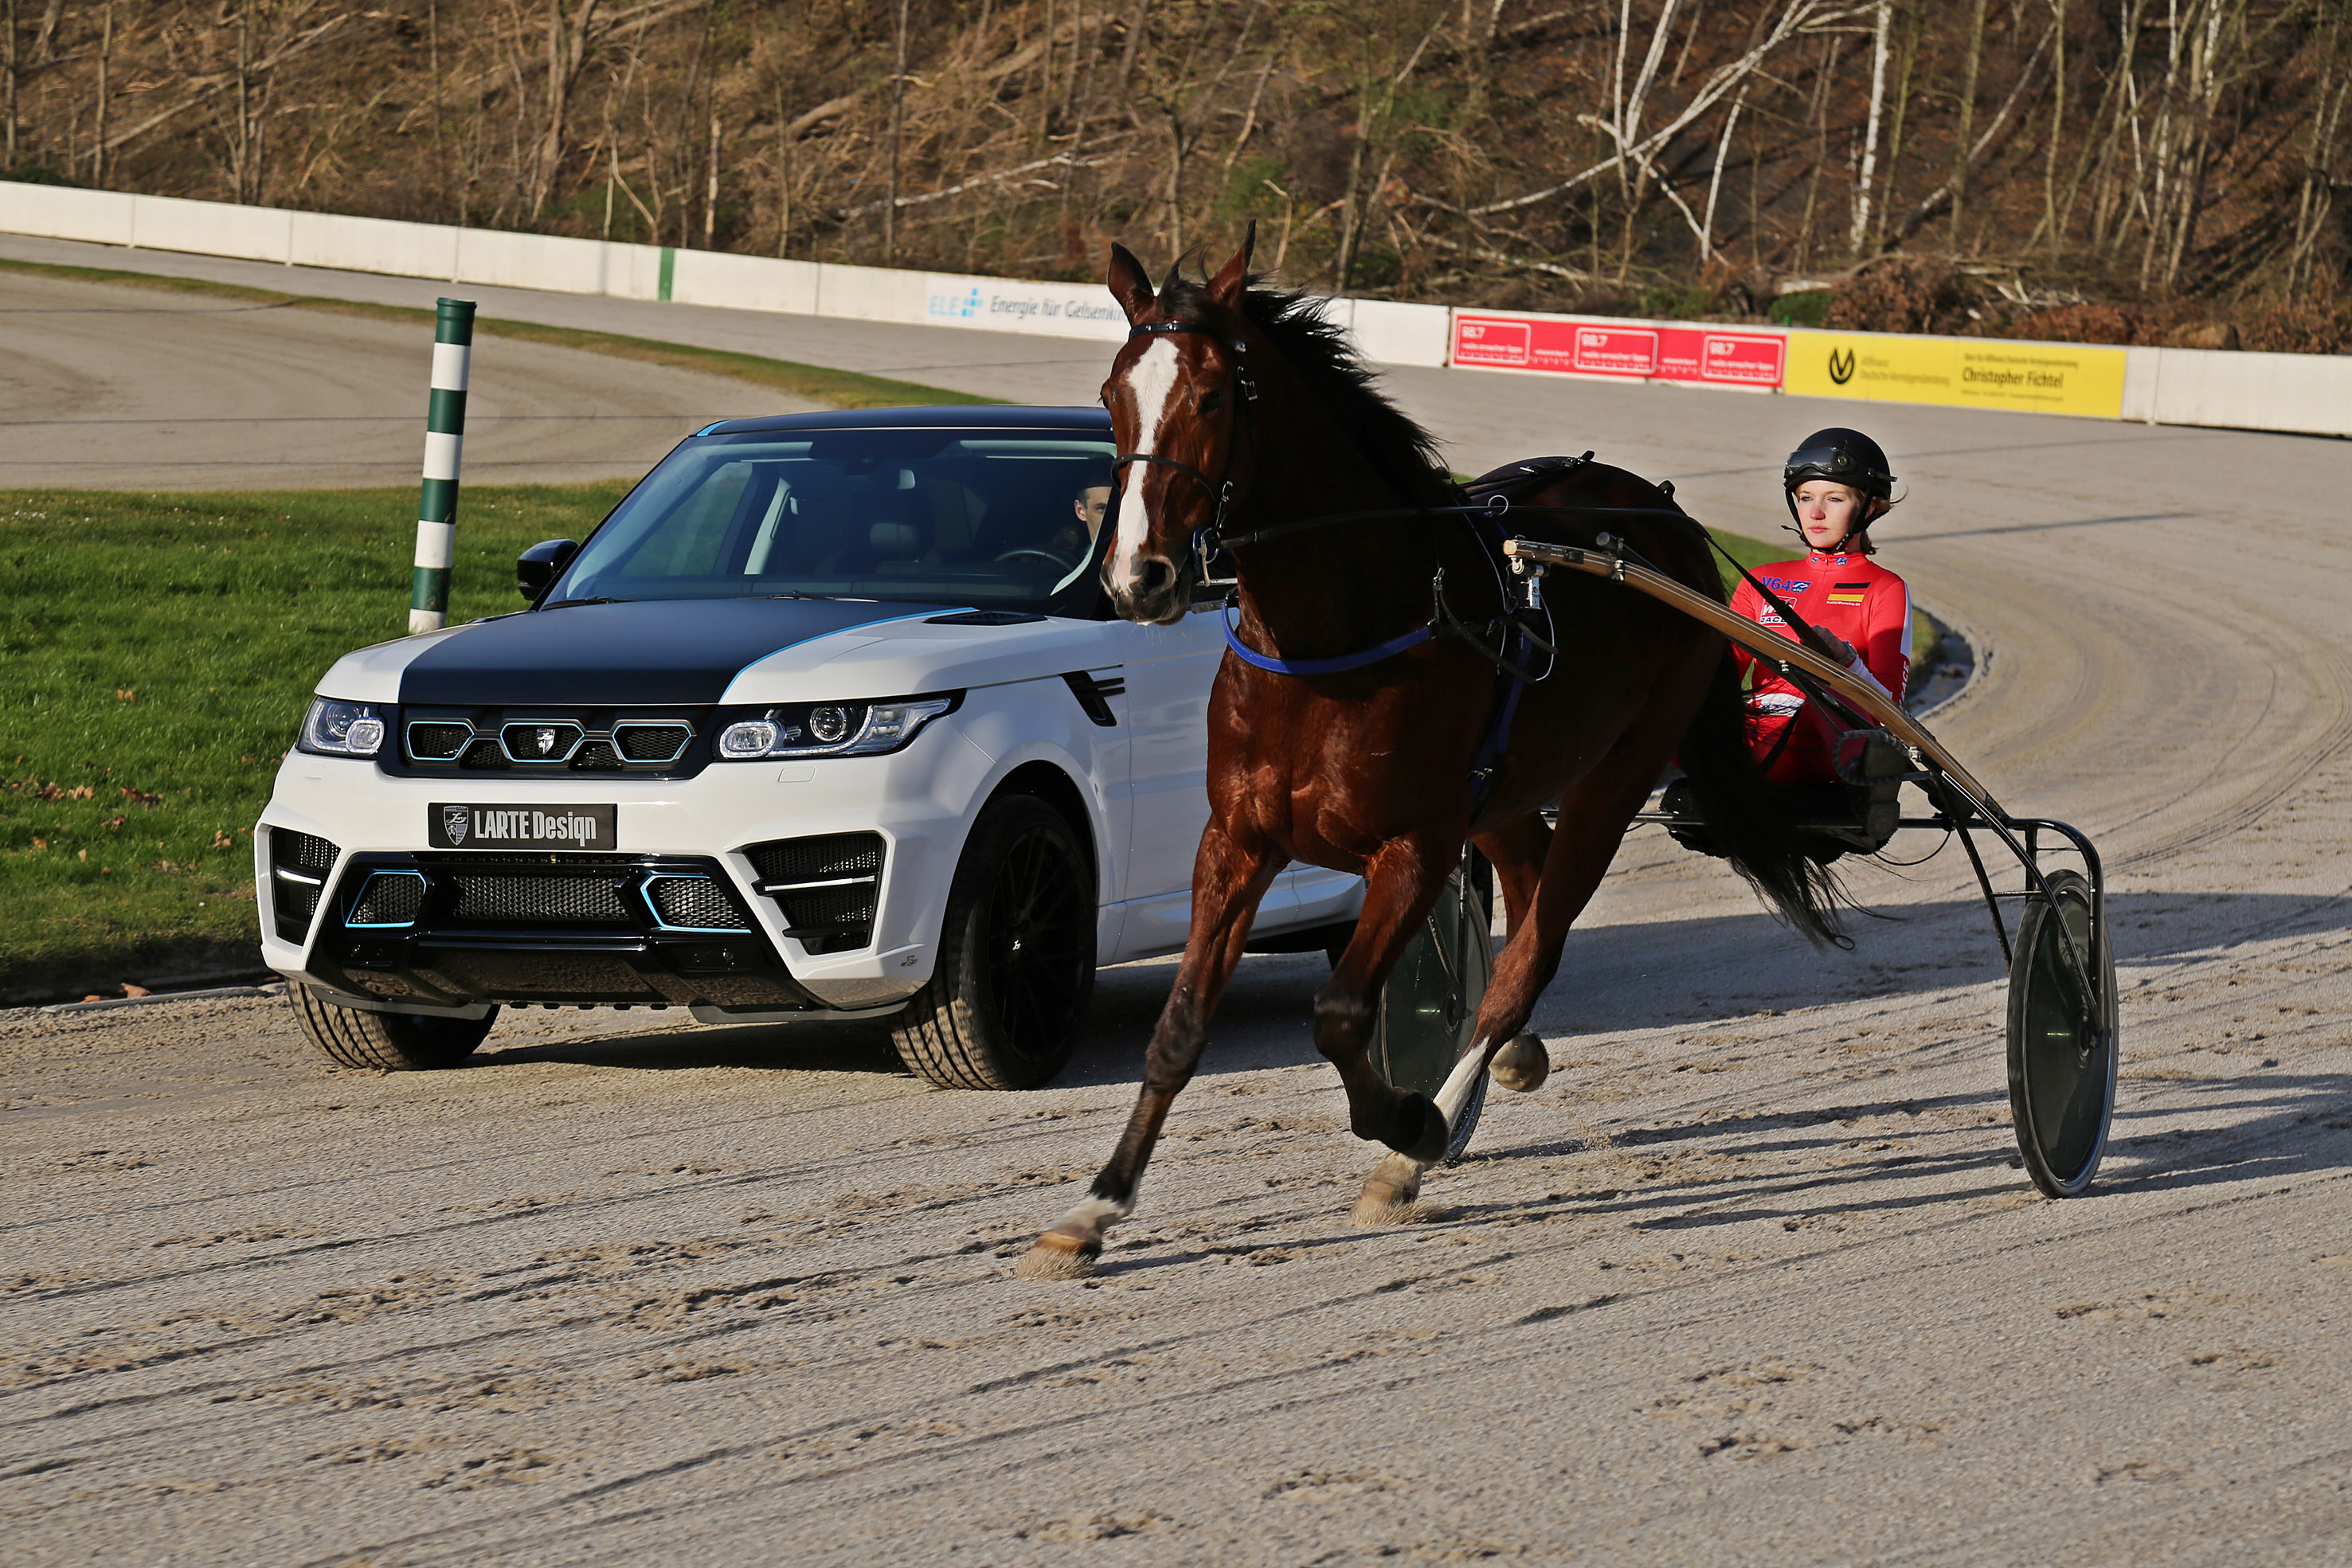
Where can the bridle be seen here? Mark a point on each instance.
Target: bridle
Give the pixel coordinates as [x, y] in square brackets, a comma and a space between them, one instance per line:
[1210, 535]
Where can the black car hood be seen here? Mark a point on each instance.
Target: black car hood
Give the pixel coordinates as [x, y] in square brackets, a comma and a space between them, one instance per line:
[652, 651]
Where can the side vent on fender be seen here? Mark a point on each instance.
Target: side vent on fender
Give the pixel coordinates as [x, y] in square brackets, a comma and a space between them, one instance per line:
[298, 864]
[827, 887]
[1094, 695]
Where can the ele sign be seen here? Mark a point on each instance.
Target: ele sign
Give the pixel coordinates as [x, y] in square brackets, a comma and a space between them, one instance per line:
[1643, 351]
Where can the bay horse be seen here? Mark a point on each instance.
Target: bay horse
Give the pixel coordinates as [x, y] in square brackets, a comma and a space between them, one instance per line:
[1239, 409]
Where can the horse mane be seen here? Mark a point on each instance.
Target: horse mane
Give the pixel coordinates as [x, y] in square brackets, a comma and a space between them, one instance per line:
[1390, 440]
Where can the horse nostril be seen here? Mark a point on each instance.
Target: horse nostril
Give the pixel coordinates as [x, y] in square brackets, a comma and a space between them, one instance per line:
[1153, 576]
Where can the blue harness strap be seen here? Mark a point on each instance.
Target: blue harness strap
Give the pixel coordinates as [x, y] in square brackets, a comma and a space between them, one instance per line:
[1512, 663]
[1331, 666]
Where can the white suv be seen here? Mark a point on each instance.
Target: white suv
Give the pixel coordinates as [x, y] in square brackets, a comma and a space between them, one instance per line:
[824, 720]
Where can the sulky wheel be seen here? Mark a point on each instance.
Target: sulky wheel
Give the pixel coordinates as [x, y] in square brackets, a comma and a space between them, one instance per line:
[2061, 1043]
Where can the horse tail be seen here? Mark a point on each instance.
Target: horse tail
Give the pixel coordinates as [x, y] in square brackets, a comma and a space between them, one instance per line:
[1752, 822]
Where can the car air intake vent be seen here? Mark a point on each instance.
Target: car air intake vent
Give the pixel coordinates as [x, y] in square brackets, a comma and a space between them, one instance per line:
[485, 753]
[818, 859]
[389, 898]
[827, 886]
[438, 740]
[298, 864]
[593, 899]
[597, 756]
[694, 904]
[651, 742]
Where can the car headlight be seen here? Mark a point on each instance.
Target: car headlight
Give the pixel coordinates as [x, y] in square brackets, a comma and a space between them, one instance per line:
[831, 729]
[341, 729]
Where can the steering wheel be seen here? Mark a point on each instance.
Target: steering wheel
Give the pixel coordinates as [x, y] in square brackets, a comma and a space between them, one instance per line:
[1046, 555]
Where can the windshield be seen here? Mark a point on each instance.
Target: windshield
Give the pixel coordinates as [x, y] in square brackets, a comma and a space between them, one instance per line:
[1004, 519]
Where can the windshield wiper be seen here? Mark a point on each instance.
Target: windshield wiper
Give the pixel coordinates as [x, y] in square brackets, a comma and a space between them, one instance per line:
[560, 603]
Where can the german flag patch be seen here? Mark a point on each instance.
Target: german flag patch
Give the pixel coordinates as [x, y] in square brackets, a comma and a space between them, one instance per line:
[1848, 592]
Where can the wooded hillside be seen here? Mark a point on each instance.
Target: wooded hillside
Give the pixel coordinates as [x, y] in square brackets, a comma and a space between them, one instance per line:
[2112, 170]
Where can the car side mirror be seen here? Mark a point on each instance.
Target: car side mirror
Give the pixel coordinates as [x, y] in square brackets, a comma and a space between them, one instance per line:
[537, 567]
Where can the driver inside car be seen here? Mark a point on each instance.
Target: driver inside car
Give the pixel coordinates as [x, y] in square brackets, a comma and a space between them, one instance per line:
[1836, 484]
[1075, 538]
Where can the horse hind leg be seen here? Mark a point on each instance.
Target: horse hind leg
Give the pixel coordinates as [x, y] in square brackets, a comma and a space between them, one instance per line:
[1518, 850]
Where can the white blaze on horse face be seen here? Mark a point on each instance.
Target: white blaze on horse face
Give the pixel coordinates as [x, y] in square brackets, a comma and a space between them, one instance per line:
[1150, 380]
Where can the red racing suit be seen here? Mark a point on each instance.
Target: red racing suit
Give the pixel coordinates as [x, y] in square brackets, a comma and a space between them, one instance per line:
[1846, 595]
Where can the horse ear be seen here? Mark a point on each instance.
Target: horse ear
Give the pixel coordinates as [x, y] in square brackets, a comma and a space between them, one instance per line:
[1129, 284]
[1226, 287]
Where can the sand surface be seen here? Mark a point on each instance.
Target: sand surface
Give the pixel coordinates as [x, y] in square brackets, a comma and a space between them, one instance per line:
[1754, 1279]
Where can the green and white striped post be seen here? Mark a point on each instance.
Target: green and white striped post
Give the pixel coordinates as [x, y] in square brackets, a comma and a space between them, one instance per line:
[445, 437]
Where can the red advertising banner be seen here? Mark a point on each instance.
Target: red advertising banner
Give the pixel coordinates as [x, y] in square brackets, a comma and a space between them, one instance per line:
[1711, 356]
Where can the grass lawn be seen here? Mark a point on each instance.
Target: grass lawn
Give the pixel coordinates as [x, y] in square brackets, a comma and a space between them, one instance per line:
[155, 657]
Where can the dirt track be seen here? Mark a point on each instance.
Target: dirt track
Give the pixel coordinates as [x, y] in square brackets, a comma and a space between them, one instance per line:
[1752, 1279]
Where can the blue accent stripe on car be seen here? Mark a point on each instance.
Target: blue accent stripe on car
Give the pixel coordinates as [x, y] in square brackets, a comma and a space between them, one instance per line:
[665, 650]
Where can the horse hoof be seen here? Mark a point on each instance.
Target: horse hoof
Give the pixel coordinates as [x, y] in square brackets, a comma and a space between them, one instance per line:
[1522, 1066]
[1055, 1256]
[1426, 1133]
[1382, 1205]
[1389, 1193]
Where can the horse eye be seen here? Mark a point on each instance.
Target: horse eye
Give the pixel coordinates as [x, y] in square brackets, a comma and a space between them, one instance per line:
[1212, 400]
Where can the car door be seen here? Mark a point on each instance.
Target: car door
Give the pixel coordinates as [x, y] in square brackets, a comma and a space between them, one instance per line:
[1168, 670]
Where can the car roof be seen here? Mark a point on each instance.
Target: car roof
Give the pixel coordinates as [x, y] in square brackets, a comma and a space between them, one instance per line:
[964, 416]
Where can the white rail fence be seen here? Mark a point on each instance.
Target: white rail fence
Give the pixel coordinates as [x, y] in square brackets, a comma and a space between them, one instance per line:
[2303, 393]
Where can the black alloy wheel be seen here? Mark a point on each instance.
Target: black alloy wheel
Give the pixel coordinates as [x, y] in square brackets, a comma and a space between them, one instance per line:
[396, 1042]
[1016, 961]
[2062, 1038]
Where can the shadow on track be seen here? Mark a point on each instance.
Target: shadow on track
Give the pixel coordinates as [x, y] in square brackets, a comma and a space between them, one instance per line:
[1613, 977]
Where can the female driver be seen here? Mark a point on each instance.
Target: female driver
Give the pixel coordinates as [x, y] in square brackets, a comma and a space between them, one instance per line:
[1836, 486]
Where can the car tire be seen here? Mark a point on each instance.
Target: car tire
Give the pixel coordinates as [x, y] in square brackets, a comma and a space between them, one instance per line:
[1016, 961]
[396, 1042]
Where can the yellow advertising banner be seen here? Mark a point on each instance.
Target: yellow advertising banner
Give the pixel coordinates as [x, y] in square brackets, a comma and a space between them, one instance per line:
[1967, 372]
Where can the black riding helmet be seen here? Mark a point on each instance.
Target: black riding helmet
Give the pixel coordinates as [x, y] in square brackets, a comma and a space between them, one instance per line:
[1842, 456]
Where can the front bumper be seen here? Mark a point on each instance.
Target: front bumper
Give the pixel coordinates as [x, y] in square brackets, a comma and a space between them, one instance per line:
[450, 930]
[611, 944]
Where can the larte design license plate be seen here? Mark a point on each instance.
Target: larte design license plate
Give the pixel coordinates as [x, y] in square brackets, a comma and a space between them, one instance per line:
[456, 827]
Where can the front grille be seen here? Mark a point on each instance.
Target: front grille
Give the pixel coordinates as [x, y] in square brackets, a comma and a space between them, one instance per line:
[298, 863]
[694, 904]
[438, 740]
[593, 740]
[542, 899]
[651, 742]
[827, 886]
[389, 898]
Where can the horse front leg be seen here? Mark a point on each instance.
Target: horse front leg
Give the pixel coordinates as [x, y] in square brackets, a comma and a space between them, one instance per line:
[1400, 887]
[1229, 876]
[1547, 877]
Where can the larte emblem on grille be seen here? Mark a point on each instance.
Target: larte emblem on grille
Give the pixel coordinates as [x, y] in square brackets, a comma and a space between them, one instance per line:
[544, 739]
[453, 823]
